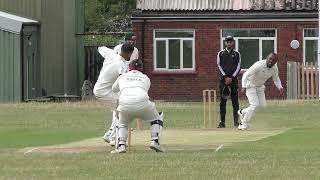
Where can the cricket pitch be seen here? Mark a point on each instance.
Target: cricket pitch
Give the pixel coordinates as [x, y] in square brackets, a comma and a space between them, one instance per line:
[172, 140]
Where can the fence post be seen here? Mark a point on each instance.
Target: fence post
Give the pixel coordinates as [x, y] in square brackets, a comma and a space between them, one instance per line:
[312, 80]
[299, 80]
[308, 79]
[317, 80]
[302, 81]
[292, 86]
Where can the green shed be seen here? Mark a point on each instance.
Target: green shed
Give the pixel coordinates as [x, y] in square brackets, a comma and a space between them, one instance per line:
[19, 58]
[50, 57]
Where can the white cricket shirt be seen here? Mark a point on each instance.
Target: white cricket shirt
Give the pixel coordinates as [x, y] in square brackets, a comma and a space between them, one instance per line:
[259, 73]
[113, 66]
[133, 87]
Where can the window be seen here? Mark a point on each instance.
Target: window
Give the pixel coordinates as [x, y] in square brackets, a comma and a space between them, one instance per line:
[253, 44]
[310, 48]
[174, 50]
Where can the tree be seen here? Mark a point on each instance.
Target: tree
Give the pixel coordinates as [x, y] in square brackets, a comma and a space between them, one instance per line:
[108, 15]
[93, 23]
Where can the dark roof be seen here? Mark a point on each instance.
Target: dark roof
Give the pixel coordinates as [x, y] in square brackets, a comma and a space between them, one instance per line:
[226, 5]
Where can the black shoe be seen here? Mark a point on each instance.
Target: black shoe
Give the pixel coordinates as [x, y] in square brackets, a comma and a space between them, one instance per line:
[236, 124]
[221, 125]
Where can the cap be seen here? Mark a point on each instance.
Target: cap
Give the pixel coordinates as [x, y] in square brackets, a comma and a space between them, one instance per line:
[128, 36]
[229, 38]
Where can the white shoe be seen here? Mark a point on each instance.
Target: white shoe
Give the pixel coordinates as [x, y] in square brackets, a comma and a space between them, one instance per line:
[241, 116]
[120, 149]
[155, 146]
[243, 127]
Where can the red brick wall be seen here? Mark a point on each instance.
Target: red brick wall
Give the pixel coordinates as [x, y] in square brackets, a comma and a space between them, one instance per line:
[187, 87]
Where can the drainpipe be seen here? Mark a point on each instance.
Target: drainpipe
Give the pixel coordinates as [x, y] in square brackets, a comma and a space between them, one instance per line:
[142, 43]
[319, 49]
[22, 70]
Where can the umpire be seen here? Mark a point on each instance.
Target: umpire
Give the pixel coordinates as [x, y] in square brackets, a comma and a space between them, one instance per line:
[229, 63]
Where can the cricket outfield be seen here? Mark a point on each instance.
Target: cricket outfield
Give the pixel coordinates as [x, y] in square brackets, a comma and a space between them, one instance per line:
[62, 141]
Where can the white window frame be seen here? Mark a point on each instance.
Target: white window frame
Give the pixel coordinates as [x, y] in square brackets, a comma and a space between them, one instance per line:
[167, 50]
[236, 39]
[304, 43]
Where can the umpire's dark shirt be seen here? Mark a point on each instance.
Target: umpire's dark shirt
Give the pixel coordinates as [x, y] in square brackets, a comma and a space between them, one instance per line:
[229, 63]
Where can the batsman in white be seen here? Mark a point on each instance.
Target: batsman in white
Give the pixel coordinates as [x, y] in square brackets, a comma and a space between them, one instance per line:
[109, 136]
[113, 66]
[253, 85]
[134, 103]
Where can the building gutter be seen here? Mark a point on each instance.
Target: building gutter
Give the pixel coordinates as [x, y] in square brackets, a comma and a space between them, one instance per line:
[142, 42]
[225, 15]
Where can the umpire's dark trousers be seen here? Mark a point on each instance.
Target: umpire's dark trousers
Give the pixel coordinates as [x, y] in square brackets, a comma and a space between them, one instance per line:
[234, 99]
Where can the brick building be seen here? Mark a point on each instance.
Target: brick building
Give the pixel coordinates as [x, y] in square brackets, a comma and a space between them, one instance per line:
[179, 40]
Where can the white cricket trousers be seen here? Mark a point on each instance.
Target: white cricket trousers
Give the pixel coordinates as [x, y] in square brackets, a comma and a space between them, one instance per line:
[146, 111]
[257, 100]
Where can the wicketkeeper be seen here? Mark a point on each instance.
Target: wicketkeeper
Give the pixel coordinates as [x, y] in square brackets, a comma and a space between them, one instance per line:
[134, 103]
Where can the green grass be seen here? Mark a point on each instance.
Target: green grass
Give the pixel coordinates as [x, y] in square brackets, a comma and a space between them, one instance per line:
[23, 125]
[294, 154]
[40, 137]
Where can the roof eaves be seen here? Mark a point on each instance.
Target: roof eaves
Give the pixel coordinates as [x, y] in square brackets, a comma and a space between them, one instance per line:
[13, 23]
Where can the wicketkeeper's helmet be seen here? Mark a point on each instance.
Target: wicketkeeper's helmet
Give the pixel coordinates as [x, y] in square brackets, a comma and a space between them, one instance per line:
[136, 65]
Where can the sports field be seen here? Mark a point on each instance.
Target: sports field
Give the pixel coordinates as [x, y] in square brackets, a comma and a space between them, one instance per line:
[63, 141]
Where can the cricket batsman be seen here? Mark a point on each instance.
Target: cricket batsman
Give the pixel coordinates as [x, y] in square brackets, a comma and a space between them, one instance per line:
[109, 136]
[253, 85]
[113, 66]
[134, 103]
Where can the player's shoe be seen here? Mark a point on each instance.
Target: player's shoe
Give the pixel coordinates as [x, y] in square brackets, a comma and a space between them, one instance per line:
[155, 146]
[236, 124]
[243, 127]
[221, 125]
[120, 149]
